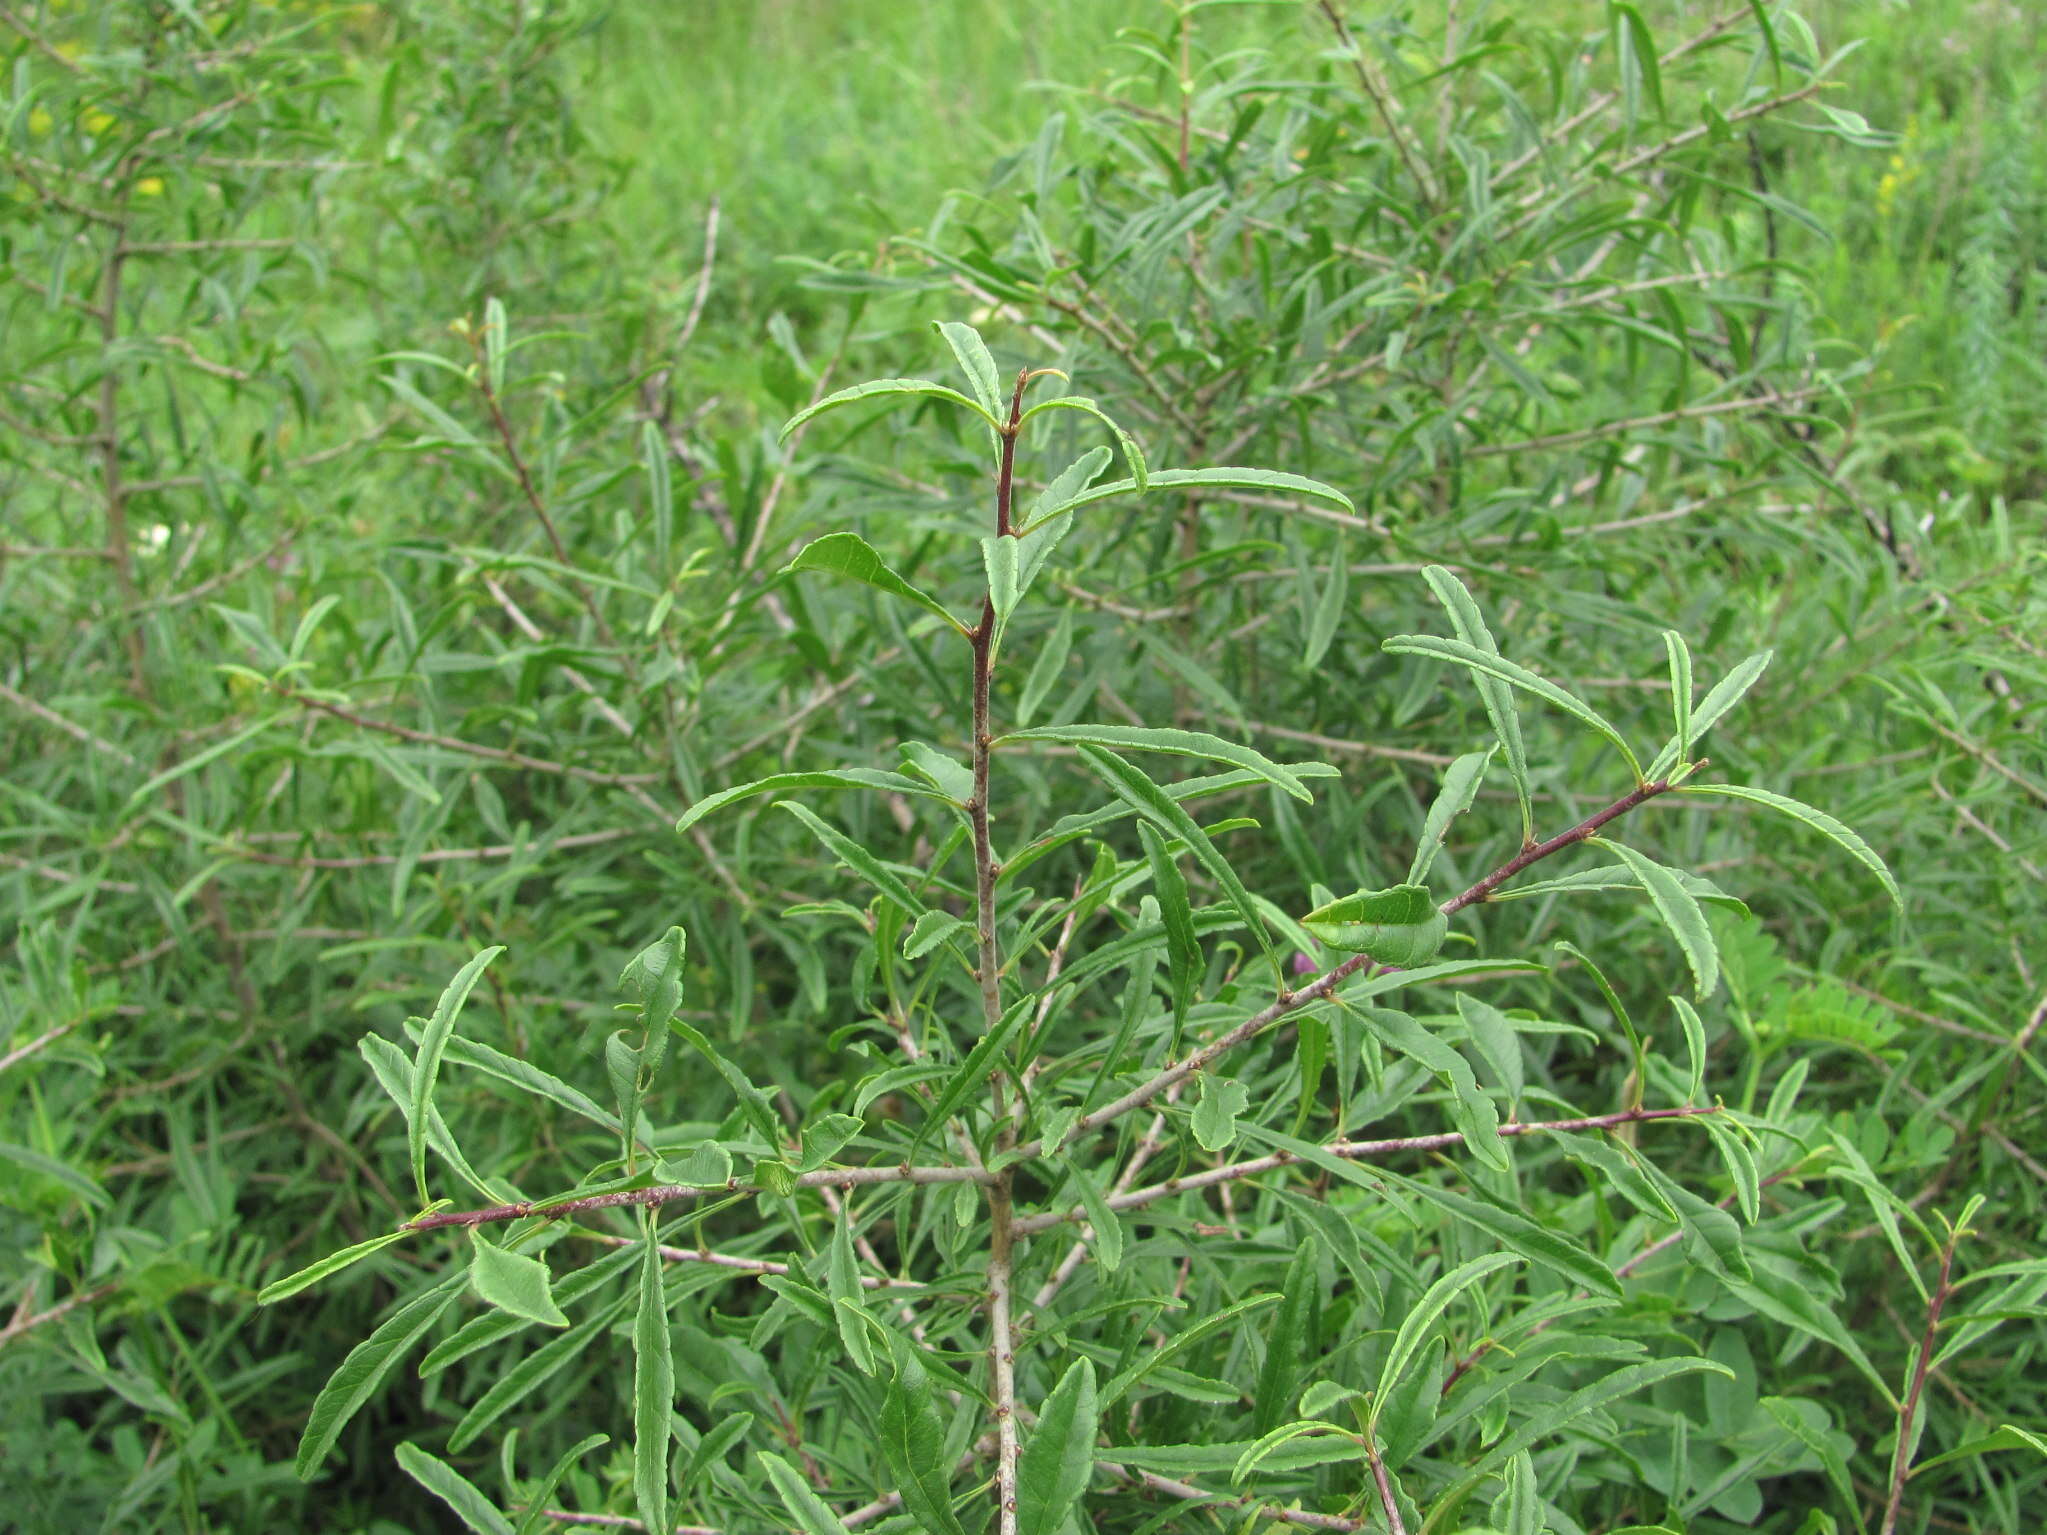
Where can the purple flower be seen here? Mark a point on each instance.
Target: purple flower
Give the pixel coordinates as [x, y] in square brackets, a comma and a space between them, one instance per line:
[1306, 964]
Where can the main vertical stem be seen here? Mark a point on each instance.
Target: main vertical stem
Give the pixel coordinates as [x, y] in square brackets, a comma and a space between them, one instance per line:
[1001, 1239]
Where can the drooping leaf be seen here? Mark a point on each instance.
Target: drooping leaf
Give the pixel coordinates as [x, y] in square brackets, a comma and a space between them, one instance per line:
[426, 1065]
[879, 388]
[1680, 912]
[1183, 743]
[835, 778]
[1108, 1230]
[463, 1497]
[1498, 666]
[810, 1511]
[1818, 820]
[850, 555]
[362, 1373]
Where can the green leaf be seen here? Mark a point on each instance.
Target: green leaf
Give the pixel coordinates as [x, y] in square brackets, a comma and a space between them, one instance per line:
[1461, 780]
[1680, 694]
[1818, 820]
[1163, 811]
[930, 930]
[912, 1437]
[1287, 1345]
[1728, 692]
[849, 555]
[57, 1172]
[362, 1373]
[1108, 1238]
[877, 388]
[858, 859]
[1060, 1454]
[805, 1506]
[1508, 1227]
[1050, 505]
[1740, 1163]
[495, 1326]
[1178, 1343]
[1215, 1114]
[454, 1489]
[541, 1494]
[1498, 666]
[1222, 479]
[532, 1371]
[313, 1273]
[1418, 1323]
[653, 1388]
[530, 1078]
[1471, 1110]
[2008, 1436]
[1791, 1415]
[836, 778]
[976, 363]
[1680, 911]
[426, 1067]
[842, 1284]
[1638, 48]
[1180, 743]
[973, 1071]
[512, 1282]
[1396, 926]
[1329, 608]
[1615, 876]
[1469, 622]
[1176, 913]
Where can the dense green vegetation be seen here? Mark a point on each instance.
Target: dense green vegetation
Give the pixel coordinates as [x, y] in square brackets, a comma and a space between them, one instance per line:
[406, 420]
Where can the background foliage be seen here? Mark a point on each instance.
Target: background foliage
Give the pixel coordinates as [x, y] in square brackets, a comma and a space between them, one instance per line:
[337, 646]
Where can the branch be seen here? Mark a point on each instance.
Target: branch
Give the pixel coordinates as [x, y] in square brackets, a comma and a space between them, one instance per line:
[1325, 985]
[677, 1193]
[1908, 1410]
[1354, 1151]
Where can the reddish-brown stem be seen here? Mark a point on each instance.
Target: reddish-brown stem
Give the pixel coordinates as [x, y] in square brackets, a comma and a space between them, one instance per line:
[1325, 985]
[1350, 1151]
[676, 1193]
[1387, 1502]
[1001, 1280]
[1908, 1410]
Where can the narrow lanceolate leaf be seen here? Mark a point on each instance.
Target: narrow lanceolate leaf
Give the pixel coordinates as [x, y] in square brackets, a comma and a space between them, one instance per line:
[1219, 479]
[836, 778]
[1108, 1231]
[1511, 1229]
[533, 1370]
[363, 1372]
[879, 388]
[1398, 926]
[973, 1071]
[1470, 624]
[811, 1513]
[1286, 1345]
[1051, 506]
[1418, 1323]
[1680, 693]
[1516, 674]
[842, 1284]
[912, 1436]
[1060, 1455]
[1680, 911]
[1163, 811]
[1471, 1110]
[1176, 912]
[313, 1273]
[1179, 743]
[540, 1496]
[1328, 614]
[653, 1390]
[512, 1282]
[858, 859]
[461, 1495]
[1818, 820]
[975, 362]
[1461, 780]
[528, 1078]
[1728, 692]
[850, 555]
[426, 1068]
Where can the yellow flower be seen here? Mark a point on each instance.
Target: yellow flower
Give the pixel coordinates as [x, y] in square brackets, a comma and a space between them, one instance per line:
[39, 122]
[97, 121]
[149, 186]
